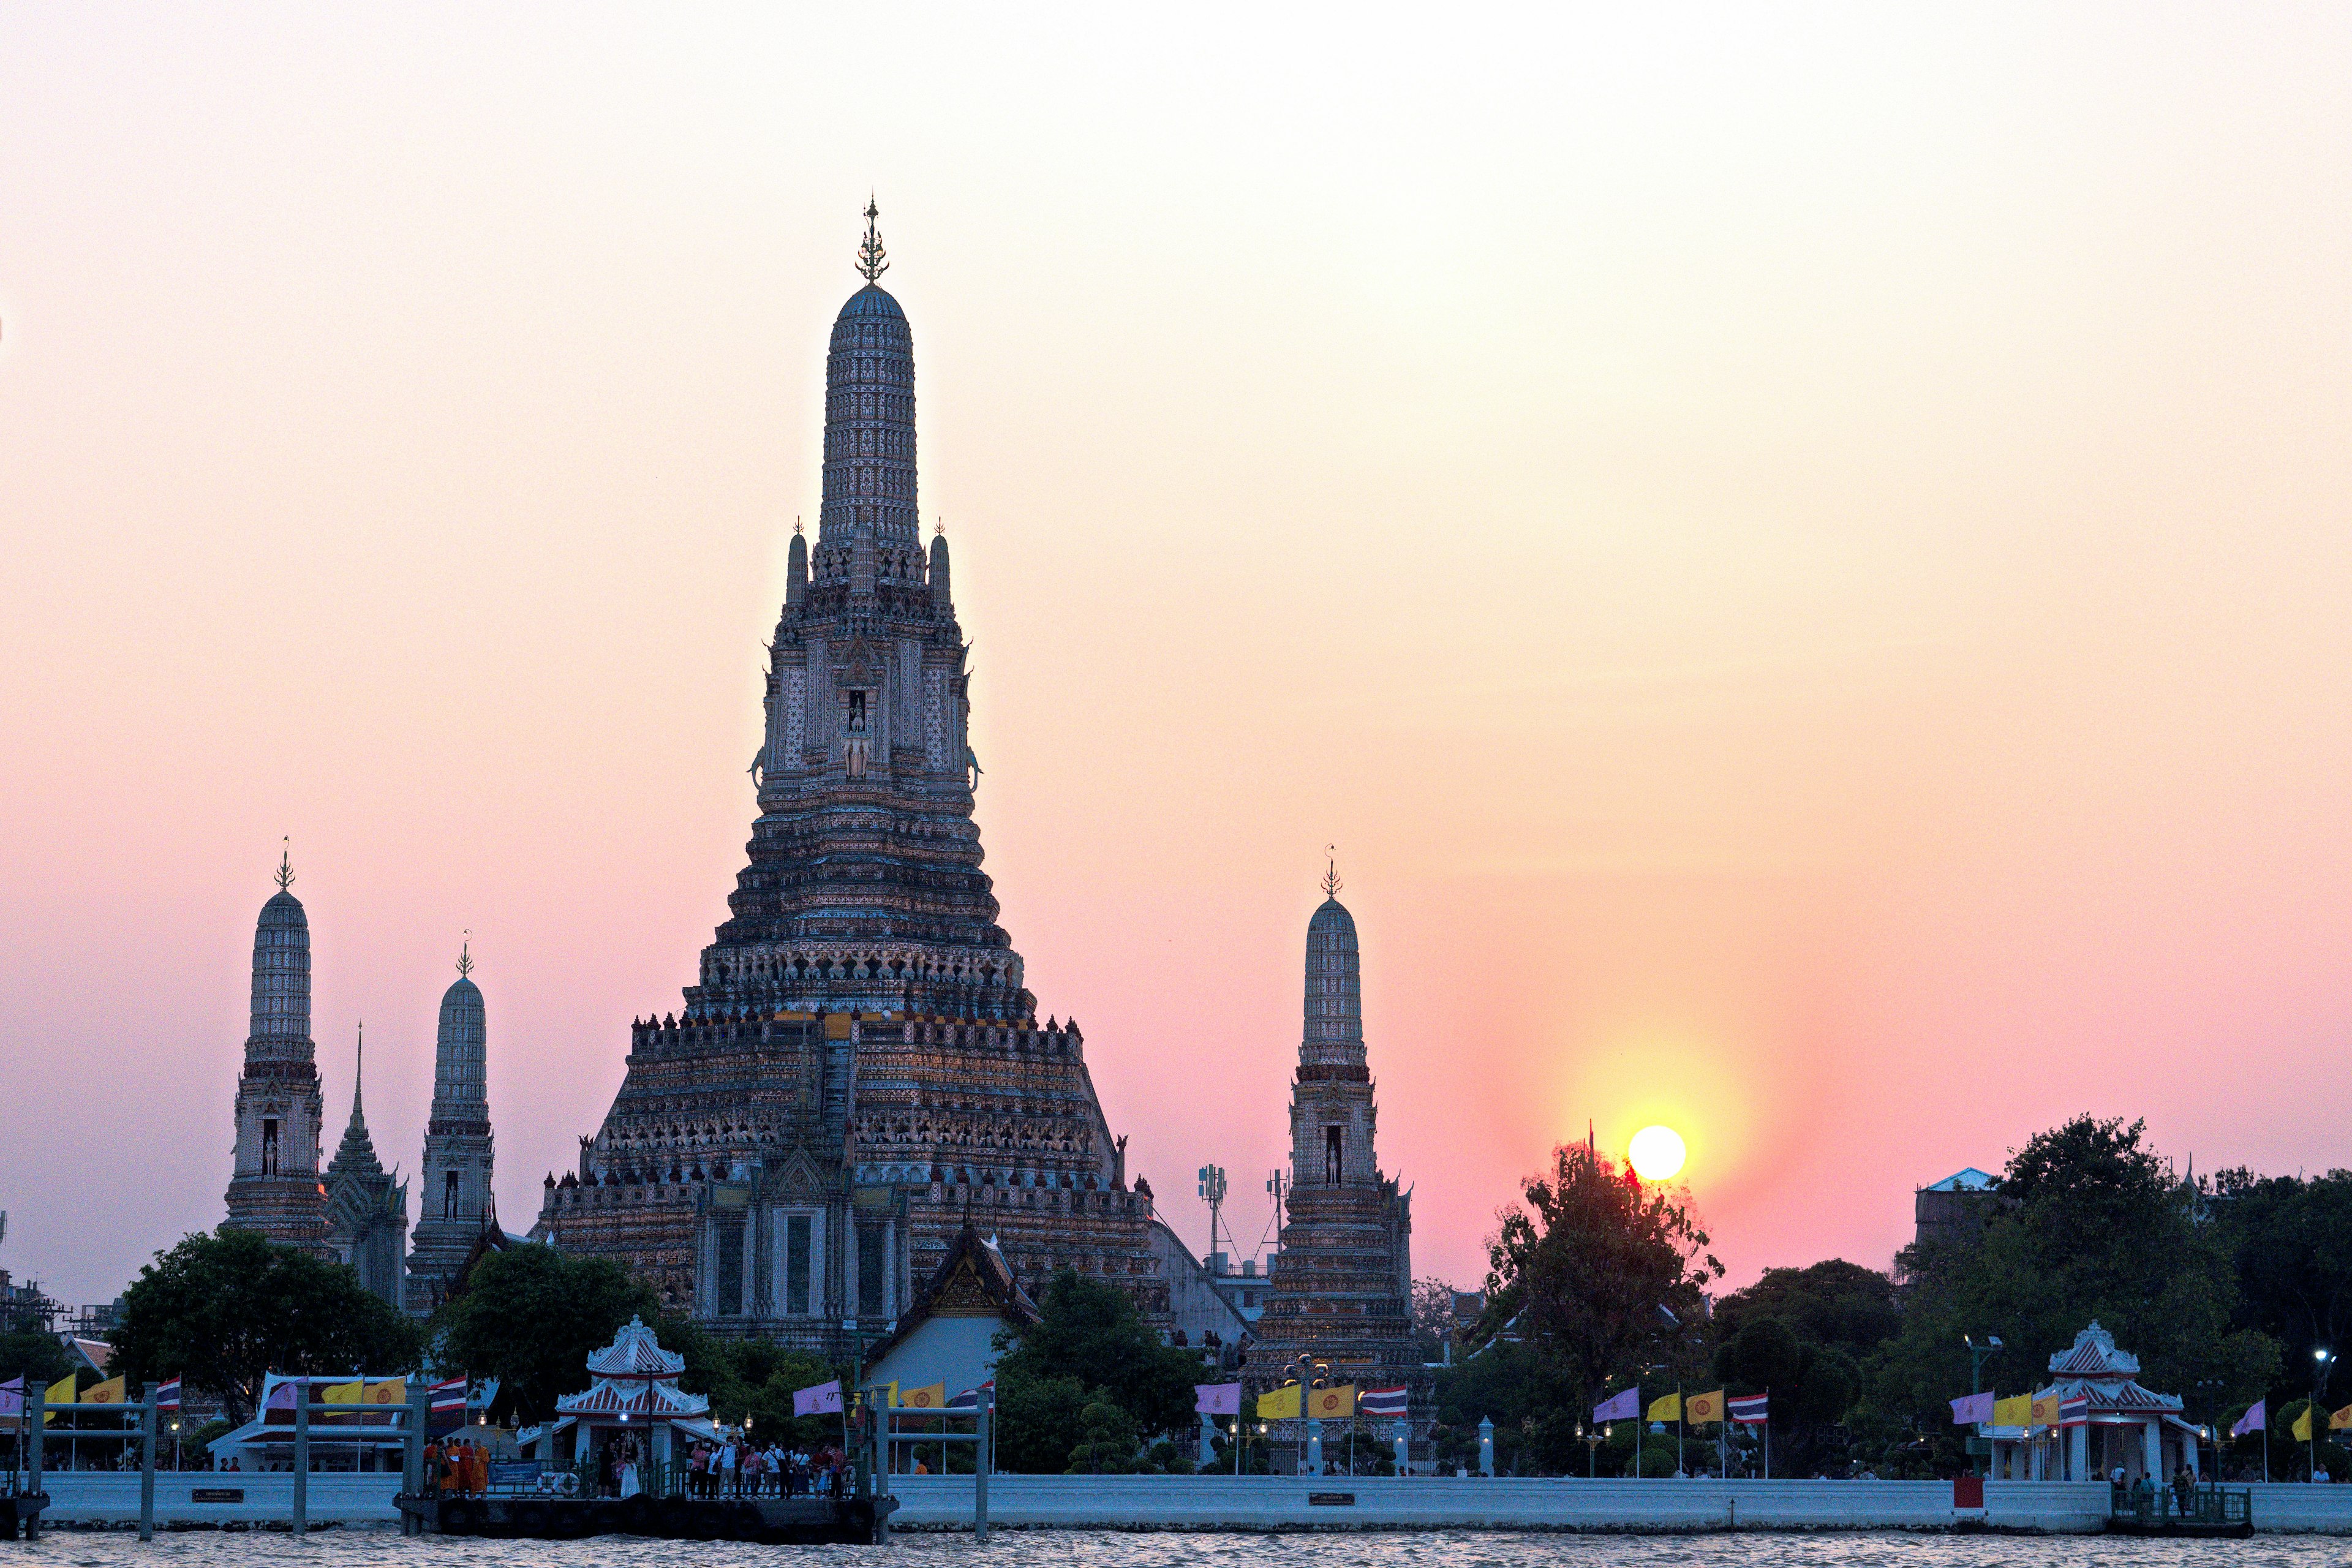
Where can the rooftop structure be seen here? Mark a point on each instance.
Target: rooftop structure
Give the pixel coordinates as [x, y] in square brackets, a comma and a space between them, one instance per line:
[275, 1187]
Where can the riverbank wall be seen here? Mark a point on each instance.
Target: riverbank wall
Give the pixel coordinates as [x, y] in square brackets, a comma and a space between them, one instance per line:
[1272, 1503]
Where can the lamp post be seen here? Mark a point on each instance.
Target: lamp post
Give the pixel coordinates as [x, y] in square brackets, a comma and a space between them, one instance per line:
[2316, 1417]
[1978, 1355]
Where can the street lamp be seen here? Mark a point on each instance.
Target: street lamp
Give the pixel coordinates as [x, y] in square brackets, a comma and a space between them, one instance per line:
[1978, 1355]
[2316, 1417]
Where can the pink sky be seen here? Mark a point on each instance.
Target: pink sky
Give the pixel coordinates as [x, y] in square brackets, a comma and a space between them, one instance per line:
[1803, 560]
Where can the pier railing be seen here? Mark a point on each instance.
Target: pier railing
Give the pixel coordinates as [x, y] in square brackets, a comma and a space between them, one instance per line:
[2140, 1503]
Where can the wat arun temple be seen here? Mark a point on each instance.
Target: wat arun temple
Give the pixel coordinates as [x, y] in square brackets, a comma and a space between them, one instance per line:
[858, 1076]
[859, 1066]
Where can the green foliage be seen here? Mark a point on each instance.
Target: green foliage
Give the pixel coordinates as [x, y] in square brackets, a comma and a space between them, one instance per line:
[531, 1316]
[1588, 1274]
[1091, 1331]
[1108, 1441]
[1829, 1303]
[34, 1354]
[757, 1379]
[2290, 1242]
[221, 1311]
[2091, 1225]
[1038, 1423]
[1801, 1335]
[199, 1441]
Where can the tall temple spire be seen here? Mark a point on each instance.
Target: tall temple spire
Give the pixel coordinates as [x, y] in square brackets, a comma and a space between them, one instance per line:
[357, 1153]
[275, 1189]
[869, 416]
[455, 1205]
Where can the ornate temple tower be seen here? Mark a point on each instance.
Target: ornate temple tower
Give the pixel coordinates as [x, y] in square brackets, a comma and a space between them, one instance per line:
[367, 1209]
[860, 1061]
[455, 1203]
[1343, 1280]
[279, 1115]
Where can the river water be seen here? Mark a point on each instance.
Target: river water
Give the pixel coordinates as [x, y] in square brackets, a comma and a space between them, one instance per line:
[386, 1548]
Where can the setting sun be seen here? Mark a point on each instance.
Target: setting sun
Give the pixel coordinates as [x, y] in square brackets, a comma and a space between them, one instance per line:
[1657, 1153]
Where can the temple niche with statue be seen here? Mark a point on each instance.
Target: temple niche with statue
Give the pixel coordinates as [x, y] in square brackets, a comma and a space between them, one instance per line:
[857, 1063]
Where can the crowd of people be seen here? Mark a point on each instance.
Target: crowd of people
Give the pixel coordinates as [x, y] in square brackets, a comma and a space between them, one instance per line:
[456, 1467]
[737, 1466]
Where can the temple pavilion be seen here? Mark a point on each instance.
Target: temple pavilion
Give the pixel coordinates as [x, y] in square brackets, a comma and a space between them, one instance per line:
[2105, 1420]
[633, 1392]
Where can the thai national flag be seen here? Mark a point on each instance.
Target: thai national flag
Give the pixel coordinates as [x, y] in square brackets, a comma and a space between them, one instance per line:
[2074, 1412]
[167, 1396]
[449, 1396]
[1385, 1401]
[1750, 1408]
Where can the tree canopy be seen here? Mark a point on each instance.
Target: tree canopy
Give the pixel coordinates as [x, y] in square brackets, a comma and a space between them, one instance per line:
[531, 1316]
[221, 1311]
[1092, 1333]
[1600, 1273]
[2091, 1225]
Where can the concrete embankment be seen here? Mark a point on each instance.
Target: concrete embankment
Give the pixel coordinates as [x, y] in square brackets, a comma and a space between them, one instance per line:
[1277, 1503]
[1274, 1503]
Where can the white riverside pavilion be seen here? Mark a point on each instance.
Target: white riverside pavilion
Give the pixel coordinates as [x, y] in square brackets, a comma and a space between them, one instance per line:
[2117, 1423]
[634, 1392]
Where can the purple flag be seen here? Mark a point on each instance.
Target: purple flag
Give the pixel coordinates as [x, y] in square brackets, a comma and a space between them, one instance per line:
[2253, 1420]
[1217, 1398]
[824, 1399]
[1623, 1406]
[1974, 1407]
[12, 1396]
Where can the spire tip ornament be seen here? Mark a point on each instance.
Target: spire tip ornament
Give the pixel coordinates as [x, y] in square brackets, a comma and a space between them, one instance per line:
[872, 260]
[1331, 883]
[286, 865]
[465, 956]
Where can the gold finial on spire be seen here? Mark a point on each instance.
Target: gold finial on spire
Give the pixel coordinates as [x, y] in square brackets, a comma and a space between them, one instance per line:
[796, 522]
[939, 526]
[286, 865]
[465, 955]
[1331, 883]
[871, 259]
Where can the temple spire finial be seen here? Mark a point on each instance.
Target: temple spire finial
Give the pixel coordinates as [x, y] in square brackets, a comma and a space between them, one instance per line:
[465, 955]
[872, 260]
[359, 1070]
[1331, 883]
[286, 865]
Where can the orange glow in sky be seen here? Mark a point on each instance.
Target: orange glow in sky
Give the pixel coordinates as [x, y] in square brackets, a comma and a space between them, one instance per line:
[1800, 556]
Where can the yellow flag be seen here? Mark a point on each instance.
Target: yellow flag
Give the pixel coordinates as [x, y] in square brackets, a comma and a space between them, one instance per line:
[2017, 1410]
[2303, 1425]
[2341, 1421]
[1331, 1404]
[1703, 1409]
[341, 1392]
[107, 1393]
[934, 1397]
[1668, 1407]
[1278, 1405]
[2044, 1411]
[889, 1394]
[59, 1392]
[390, 1391]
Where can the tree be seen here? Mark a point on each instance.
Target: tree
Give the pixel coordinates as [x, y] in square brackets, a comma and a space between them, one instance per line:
[531, 1316]
[221, 1311]
[1039, 1422]
[1600, 1274]
[1092, 1333]
[35, 1355]
[1433, 1315]
[2091, 1225]
[1109, 1442]
[2290, 1244]
[1802, 1335]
